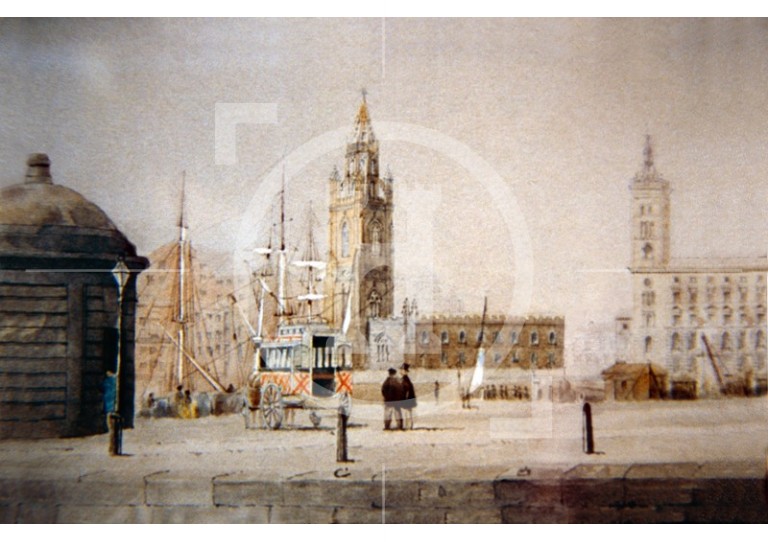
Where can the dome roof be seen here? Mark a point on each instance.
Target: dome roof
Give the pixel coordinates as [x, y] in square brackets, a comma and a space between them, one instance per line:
[39, 202]
[42, 221]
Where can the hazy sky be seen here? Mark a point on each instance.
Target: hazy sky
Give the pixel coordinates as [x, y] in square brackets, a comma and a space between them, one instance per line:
[554, 110]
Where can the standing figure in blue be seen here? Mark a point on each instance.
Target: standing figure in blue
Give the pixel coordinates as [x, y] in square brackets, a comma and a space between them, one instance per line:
[409, 396]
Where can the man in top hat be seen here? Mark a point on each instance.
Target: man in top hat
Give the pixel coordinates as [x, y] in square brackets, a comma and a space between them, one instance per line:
[409, 396]
[392, 391]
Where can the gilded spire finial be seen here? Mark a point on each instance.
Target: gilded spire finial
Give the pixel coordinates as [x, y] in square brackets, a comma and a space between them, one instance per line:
[363, 130]
[363, 113]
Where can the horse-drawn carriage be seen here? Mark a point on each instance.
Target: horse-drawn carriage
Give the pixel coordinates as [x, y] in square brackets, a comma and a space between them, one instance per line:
[308, 367]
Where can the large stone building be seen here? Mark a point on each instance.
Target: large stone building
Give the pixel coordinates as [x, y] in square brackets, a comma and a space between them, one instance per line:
[59, 310]
[359, 283]
[703, 321]
[452, 341]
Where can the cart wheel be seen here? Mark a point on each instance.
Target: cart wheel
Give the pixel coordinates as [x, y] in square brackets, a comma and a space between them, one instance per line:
[345, 403]
[272, 405]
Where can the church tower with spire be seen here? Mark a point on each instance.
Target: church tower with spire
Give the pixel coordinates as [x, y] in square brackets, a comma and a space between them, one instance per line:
[359, 280]
[650, 215]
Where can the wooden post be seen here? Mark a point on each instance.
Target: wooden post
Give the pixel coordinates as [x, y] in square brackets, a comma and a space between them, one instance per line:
[341, 436]
[588, 439]
[115, 434]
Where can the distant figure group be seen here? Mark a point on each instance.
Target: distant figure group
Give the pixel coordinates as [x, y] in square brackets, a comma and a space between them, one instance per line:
[492, 392]
[504, 392]
[399, 399]
[186, 405]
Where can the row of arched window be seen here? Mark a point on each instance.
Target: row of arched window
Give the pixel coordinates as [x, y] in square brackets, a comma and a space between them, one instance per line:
[461, 359]
[497, 337]
[727, 315]
[726, 341]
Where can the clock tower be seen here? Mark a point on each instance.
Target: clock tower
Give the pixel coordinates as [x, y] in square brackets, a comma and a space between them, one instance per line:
[359, 280]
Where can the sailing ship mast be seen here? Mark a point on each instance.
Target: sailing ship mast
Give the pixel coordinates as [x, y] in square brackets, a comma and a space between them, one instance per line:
[181, 315]
[184, 312]
[281, 310]
[312, 264]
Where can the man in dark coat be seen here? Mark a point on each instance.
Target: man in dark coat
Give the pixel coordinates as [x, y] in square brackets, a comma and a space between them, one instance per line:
[409, 396]
[392, 391]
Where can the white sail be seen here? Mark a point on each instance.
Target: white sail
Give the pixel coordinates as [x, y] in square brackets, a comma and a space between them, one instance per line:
[243, 316]
[264, 286]
[347, 315]
[315, 264]
[477, 376]
[311, 297]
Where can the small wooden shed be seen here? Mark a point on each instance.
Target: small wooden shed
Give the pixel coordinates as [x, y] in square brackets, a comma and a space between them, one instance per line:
[59, 310]
[635, 382]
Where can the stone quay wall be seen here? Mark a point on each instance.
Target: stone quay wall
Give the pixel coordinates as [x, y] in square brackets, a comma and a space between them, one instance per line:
[587, 493]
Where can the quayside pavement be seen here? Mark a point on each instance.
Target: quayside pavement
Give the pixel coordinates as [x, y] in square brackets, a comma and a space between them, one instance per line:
[501, 461]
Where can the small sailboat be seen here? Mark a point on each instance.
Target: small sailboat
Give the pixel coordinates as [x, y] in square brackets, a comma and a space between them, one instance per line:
[477, 376]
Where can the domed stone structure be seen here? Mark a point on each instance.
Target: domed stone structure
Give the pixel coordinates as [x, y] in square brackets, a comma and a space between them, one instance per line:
[59, 306]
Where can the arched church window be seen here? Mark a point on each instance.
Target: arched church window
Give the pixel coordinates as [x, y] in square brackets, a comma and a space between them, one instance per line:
[444, 337]
[374, 305]
[552, 337]
[376, 237]
[675, 341]
[647, 251]
[648, 345]
[534, 338]
[462, 336]
[646, 230]
[344, 240]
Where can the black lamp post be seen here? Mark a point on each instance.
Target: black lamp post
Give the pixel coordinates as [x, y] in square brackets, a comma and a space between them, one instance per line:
[121, 274]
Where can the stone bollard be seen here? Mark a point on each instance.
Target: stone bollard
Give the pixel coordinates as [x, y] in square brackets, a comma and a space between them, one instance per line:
[115, 423]
[588, 439]
[341, 436]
